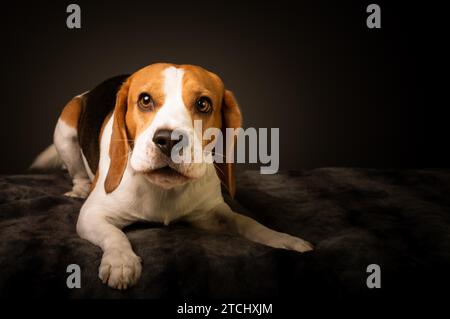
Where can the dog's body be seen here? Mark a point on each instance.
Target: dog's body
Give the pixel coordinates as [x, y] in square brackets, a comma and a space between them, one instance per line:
[116, 153]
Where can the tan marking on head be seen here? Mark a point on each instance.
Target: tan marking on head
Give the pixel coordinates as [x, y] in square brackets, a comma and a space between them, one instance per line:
[199, 82]
[148, 80]
[129, 120]
[71, 112]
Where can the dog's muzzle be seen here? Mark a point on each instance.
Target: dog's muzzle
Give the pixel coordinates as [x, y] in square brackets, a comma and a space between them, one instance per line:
[167, 140]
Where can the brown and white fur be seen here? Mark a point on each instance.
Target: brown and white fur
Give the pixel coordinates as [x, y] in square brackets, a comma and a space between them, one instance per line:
[129, 182]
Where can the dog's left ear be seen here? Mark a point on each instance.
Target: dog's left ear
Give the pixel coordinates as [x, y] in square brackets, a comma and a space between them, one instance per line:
[118, 147]
[231, 118]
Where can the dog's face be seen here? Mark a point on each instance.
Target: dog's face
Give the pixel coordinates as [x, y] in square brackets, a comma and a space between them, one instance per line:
[155, 113]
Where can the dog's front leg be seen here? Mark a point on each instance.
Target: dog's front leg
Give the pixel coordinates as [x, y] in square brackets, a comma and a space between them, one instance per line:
[120, 266]
[223, 219]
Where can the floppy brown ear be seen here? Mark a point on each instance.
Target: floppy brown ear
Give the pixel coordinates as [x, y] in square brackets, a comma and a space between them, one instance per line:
[231, 118]
[118, 147]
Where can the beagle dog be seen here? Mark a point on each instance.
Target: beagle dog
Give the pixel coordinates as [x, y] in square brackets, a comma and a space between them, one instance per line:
[115, 141]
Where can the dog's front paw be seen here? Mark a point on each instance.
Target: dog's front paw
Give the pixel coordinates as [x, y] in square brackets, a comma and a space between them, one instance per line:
[286, 241]
[120, 268]
[80, 189]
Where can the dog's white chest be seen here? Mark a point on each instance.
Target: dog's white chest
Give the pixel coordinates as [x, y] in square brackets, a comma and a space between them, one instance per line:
[140, 200]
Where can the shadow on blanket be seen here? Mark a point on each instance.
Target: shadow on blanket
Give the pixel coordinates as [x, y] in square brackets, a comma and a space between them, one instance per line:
[398, 219]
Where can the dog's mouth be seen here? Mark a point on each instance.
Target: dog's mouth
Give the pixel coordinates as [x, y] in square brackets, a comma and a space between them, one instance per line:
[166, 172]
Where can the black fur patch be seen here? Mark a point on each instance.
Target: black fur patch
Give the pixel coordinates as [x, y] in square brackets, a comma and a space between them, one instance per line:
[98, 104]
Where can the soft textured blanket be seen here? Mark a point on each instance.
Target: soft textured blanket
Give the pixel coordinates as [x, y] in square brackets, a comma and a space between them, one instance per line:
[397, 219]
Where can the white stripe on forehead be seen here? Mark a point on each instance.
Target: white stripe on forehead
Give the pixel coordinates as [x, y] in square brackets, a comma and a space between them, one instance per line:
[173, 82]
[173, 114]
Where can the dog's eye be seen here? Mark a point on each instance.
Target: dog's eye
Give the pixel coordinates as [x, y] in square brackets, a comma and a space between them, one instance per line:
[203, 104]
[145, 102]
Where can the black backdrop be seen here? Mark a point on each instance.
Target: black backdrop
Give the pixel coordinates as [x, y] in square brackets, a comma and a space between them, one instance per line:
[341, 94]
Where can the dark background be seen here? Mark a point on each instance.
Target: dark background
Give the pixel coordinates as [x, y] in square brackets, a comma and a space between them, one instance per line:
[341, 94]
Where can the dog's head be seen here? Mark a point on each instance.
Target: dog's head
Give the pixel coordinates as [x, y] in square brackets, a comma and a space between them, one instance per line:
[155, 111]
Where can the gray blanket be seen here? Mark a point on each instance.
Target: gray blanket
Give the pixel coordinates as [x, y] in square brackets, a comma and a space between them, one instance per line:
[398, 219]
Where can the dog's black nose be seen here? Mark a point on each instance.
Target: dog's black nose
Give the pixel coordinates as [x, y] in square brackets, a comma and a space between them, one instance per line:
[163, 139]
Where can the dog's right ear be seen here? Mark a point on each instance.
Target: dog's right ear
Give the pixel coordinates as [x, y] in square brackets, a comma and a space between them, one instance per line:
[119, 146]
[231, 118]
